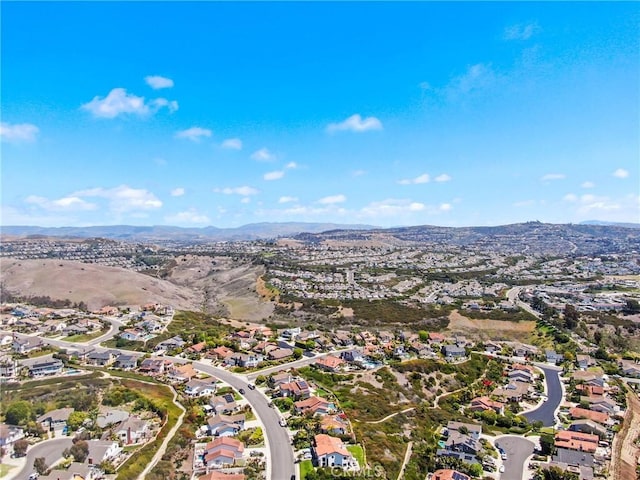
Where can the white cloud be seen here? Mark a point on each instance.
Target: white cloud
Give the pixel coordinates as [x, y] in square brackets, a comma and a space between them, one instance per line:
[232, 144]
[588, 185]
[420, 179]
[620, 173]
[520, 31]
[442, 178]
[157, 82]
[553, 176]
[194, 133]
[570, 197]
[291, 165]
[190, 217]
[177, 192]
[18, 132]
[243, 190]
[355, 123]
[358, 173]
[119, 102]
[123, 198]
[246, 200]
[263, 155]
[477, 76]
[70, 203]
[445, 207]
[276, 175]
[524, 203]
[287, 199]
[332, 199]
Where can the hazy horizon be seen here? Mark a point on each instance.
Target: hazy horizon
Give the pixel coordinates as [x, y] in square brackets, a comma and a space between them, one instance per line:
[389, 114]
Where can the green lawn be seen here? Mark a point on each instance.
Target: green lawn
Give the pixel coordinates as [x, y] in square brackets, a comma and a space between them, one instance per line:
[305, 468]
[85, 337]
[358, 453]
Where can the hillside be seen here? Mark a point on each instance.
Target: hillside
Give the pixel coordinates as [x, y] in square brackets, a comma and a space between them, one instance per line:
[96, 285]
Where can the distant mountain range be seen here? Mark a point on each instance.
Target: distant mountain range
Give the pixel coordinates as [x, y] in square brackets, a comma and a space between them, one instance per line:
[251, 231]
[532, 237]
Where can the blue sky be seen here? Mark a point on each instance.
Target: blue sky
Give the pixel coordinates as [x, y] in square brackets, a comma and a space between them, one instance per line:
[196, 114]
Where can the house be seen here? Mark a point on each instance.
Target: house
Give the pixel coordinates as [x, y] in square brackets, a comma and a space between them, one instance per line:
[75, 471]
[352, 356]
[513, 392]
[9, 434]
[334, 425]
[342, 338]
[45, 368]
[197, 348]
[630, 369]
[170, 344]
[590, 390]
[154, 366]
[584, 442]
[490, 347]
[222, 451]
[588, 426]
[453, 352]
[329, 451]
[111, 417]
[602, 404]
[126, 362]
[245, 360]
[553, 357]
[481, 404]
[520, 376]
[224, 403]
[102, 359]
[221, 352]
[222, 425]
[132, 430]
[26, 345]
[181, 373]
[329, 363]
[280, 353]
[279, 378]
[55, 419]
[599, 417]
[448, 474]
[201, 388]
[573, 458]
[298, 389]
[291, 333]
[82, 353]
[523, 350]
[315, 405]
[102, 450]
[584, 361]
[133, 334]
[8, 369]
[591, 378]
[462, 442]
[436, 338]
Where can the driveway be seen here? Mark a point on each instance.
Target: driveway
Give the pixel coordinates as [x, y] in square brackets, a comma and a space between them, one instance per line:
[547, 410]
[517, 450]
[51, 450]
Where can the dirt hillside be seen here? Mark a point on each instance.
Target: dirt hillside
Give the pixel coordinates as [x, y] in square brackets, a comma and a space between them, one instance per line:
[96, 285]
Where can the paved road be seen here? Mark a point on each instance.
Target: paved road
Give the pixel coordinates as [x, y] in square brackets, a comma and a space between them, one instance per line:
[517, 450]
[277, 439]
[51, 450]
[546, 412]
[296, 363]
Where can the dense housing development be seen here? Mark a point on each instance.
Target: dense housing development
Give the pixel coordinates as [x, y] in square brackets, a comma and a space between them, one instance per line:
[451, 359]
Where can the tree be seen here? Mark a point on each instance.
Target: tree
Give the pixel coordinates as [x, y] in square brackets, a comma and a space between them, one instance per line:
[19, 413]
[547, 443]
[75, 420]
[570, 316]
[297, 353]
[597, 337]
[79, 450]
[40, 465]
[20, 447]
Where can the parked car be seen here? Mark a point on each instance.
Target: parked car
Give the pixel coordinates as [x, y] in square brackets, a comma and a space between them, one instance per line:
[241, 391]
[251, 386]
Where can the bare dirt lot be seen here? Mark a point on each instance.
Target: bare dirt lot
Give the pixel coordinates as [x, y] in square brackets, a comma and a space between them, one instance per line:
[96, 285]
[490, 329]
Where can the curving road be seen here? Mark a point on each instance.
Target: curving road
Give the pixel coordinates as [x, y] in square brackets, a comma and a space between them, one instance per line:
[51, 450]
[546, 412]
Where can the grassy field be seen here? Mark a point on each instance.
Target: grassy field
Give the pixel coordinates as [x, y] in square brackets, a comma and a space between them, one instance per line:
[358, 453]
[306, 467]
[84, 337]
[5, 469]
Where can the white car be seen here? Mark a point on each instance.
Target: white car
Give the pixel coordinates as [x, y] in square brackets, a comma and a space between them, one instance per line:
[501, 469]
